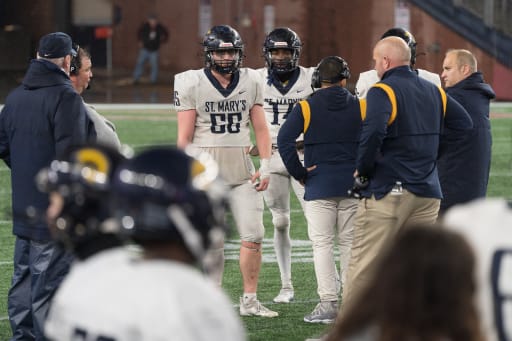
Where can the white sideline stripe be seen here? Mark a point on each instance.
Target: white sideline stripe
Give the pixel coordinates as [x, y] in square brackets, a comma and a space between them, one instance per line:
[5, 221]
[3, 318]
[130, 106]
[5, 262]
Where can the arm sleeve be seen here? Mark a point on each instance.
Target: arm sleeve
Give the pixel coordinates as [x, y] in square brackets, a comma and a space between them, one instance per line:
[378, 112]
[4, 141]
[71, 122]
[183, 93]
[290, 130]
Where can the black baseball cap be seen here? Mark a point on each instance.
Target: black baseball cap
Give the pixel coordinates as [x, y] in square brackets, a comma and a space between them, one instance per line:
[56, 45]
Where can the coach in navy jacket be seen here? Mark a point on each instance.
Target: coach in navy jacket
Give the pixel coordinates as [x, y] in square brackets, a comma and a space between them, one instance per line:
[465, 157]
[331, 122]
[397, 153]
[41, 118]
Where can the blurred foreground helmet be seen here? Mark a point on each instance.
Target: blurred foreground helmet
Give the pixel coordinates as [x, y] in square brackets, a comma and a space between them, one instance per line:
[282, 38]
[164, 194]
[223, 38]
[82, 178]
[406, 36]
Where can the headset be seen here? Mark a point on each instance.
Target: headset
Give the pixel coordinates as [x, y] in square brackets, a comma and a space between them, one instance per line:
[343, 73]
[76, 61]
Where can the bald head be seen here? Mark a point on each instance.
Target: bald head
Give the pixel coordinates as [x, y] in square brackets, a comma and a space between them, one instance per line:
[389, 53]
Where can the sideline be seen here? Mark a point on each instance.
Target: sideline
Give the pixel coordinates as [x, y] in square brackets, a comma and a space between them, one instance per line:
[169, 106]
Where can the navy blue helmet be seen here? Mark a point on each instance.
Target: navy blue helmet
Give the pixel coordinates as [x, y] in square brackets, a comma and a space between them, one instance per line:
[282, 38]
[406, 36]
[223, 38]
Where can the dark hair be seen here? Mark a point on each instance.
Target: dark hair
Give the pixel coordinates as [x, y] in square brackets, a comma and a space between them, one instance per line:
[423, 289]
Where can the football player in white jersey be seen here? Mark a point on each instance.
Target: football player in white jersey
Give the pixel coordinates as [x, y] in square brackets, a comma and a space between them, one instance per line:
[216, 106]
[370, 77]
[284, 84]
[172, 206]
[487, 225]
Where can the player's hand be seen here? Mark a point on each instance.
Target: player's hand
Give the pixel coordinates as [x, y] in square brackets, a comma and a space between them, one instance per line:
[261, 184]
[309, 169]
[263, 174]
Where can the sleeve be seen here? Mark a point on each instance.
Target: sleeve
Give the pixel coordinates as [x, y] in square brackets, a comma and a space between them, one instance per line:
[378, 112]
[4, 140]
[290, 130]
[184, 98]
[164, 33]
[365, 82]
[456, 117]
[71, 123]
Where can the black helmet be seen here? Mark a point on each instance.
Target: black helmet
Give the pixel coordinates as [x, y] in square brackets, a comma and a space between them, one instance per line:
[219, 38]
[82, 177]
[164, 194]
[282, 38]
[406, 36]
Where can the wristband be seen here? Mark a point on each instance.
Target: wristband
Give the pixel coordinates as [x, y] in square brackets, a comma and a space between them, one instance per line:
[264, 168]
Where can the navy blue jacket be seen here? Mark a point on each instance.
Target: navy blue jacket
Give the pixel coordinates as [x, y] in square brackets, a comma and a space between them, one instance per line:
[465, 157]
[400, 137]
[330, 142]
[40, 119]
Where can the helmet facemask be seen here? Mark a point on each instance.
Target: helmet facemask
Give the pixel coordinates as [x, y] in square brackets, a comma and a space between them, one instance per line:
[284, 65]
[224, 66]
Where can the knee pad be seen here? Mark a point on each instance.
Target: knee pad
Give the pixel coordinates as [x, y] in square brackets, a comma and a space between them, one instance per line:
[281, 222]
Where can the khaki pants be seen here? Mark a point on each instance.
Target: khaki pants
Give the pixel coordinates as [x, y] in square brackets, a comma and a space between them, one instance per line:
[330, 222]
[376, 224]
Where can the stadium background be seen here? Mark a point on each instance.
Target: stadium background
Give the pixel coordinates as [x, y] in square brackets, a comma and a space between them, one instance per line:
[327, 27]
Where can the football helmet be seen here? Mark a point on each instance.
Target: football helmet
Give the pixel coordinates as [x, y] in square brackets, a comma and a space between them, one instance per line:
[223, 38]
[82, 179]
[406, 36]
[164, 194]
[282, 38]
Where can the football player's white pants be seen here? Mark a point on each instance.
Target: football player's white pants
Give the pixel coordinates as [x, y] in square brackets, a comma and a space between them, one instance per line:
[277, 198]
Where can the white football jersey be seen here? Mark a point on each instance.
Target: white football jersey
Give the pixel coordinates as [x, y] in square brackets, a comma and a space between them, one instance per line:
[370, 77]
[487, 225]
[142, 300]
[222, 114]
[280, 101]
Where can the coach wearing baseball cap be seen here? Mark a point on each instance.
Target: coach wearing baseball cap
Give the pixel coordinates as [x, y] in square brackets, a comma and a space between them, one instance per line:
[41, 118]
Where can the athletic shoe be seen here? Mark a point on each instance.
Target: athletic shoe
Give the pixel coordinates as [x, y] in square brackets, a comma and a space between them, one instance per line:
[324, 312]
[285, 296]
[253, 307]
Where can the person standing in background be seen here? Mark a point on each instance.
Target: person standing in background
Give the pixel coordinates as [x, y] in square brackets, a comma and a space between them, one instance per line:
[370, 77]
[465, 157]
[80, 74]
[40, 120]
[149, 36]
[284, 84]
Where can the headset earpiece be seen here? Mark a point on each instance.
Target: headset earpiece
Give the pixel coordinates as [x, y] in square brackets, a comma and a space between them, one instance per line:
[75, 61]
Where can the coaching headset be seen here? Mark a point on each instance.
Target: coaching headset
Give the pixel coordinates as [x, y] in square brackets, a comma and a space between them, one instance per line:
[333, 66]
[76, 61]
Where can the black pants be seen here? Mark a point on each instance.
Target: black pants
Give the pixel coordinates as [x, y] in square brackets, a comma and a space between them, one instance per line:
[39, 268]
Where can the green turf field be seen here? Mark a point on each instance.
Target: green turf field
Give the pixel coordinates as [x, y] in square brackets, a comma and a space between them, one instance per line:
[141, 128]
